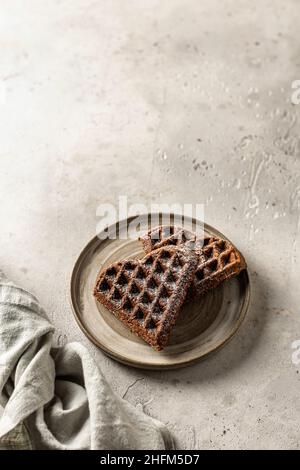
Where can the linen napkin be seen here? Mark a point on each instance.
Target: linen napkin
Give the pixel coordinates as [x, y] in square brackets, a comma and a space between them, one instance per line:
[57, 398]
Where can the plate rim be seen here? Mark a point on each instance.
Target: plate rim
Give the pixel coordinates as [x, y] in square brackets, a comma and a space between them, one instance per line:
[140, 365]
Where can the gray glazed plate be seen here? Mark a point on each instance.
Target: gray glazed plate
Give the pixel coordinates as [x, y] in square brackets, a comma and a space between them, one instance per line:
[202, 327]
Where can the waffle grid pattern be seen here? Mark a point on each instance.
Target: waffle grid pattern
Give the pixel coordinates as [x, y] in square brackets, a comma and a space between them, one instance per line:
[218, 259]
[148, 293]
[164, 236]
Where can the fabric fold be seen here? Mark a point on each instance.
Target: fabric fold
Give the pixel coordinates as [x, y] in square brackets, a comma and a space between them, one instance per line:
[60, 394]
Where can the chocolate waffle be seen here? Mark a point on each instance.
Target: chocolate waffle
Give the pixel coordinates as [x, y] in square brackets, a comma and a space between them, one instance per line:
[147, 294]
[219, 260]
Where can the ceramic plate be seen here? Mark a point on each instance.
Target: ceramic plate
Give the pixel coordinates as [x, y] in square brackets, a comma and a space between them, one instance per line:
[202, 327]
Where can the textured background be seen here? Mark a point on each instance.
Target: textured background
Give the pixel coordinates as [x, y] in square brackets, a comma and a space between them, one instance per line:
[175, 101]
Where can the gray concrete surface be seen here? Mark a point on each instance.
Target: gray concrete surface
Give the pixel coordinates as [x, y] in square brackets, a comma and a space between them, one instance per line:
[166, 102]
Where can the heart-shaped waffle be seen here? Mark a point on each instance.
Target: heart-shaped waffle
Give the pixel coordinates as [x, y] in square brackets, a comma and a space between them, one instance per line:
[146, 294]
[219, 260]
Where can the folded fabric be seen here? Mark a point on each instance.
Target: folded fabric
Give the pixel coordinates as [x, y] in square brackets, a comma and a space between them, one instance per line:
[57, 398]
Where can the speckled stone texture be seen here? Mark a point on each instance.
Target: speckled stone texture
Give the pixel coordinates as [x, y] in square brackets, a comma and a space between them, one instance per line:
[165, 102]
